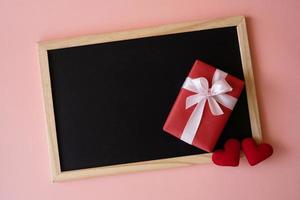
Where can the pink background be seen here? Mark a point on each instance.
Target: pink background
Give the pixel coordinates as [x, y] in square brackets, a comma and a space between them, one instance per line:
[274, 34]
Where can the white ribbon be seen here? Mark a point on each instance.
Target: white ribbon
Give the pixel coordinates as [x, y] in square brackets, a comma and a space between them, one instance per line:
[214, 95]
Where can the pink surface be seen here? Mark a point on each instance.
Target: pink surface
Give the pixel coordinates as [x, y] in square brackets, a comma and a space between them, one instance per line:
[274, 36]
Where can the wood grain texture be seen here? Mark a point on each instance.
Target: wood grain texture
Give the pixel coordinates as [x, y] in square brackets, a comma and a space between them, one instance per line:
[58, 175]
[140, 33]
[49, 110]
[249, 81]
[135, 167]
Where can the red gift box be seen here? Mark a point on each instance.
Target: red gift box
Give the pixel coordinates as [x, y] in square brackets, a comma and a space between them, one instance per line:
[203, 106]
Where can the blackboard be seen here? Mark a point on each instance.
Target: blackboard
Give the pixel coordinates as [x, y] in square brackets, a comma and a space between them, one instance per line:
[110, 99]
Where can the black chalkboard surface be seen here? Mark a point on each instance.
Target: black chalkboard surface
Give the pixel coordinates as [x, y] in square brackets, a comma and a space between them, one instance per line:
[111, 99]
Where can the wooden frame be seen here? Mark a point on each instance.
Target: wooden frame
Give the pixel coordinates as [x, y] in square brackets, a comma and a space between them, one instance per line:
[58, 175]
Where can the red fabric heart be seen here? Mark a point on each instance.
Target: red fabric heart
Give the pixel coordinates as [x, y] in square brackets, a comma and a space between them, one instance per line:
[256, 153]
[230, 156]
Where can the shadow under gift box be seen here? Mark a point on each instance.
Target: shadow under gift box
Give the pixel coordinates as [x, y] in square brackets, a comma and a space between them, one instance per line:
[211, 126]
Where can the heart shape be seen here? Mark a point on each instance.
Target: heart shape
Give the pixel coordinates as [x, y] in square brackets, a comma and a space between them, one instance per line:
[230, 156]
[255, 153]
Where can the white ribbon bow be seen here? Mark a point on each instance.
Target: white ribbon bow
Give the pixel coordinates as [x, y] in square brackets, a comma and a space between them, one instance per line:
[214, 95]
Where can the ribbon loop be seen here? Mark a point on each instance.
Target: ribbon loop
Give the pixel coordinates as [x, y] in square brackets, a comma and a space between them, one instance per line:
[215, 95]
[220, 87]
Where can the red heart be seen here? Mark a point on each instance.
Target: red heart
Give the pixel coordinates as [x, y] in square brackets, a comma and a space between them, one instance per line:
[256, 153]
[230, 156]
